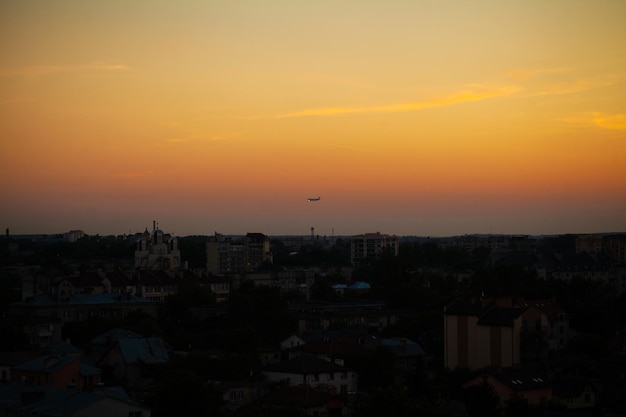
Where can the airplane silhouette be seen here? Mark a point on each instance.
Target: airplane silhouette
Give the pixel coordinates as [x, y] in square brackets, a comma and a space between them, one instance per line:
[313, 199]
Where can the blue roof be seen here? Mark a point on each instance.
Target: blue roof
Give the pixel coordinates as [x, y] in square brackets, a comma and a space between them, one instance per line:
[149, 350]
[48, 363]
[359, 285]
[404, 347]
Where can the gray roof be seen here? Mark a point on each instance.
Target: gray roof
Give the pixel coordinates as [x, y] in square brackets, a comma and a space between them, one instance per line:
[148, 350]
[501, 316]
[403, 347]
[48, 363]
[113, 336]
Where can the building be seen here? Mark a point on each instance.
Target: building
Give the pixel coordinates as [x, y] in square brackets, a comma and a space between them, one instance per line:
[495, 333]
[157, 250]
[29, 400]
[80, 307]
[257, 250]
[228, 256]
[369, 246]
[510, 383]
[314, 372]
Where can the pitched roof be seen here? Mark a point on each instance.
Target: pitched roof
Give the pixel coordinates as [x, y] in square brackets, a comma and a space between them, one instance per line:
[113, 335]
[500, 316]
[48, 363]
[463, 307]
[403, 347]
[148, 350]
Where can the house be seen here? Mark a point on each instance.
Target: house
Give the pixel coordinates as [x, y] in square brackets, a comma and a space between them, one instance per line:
[238, 393]
[315, 372]
[81, 307]
[409, 355]
[299, 401]
[28, 400]
[511, 383]
[155, 285]
[9, 360]
[57, 371]
[131, 360]
[493, 333]
[574, 393]
[40, 329]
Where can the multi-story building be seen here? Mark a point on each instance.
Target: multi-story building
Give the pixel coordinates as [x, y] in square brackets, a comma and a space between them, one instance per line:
[226, 255]
[589, 243]
[496, 333]
[257, 250]
[369, 246]
[157, 250]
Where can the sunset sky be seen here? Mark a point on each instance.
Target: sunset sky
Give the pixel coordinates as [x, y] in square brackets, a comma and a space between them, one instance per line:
[414, 117]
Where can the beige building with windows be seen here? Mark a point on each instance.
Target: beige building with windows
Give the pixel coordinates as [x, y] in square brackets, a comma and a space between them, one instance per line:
[372, 246]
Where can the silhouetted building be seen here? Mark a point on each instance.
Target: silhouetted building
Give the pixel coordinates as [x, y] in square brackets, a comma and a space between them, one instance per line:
[157, 250]
[226, 255]
[372, 246]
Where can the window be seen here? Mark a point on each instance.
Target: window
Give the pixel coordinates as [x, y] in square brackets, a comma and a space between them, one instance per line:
[134, 414]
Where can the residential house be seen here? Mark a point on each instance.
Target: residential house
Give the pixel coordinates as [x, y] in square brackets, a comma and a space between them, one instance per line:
[131, 360]
[40, 330]
[314, 372]
[239, 393]
[511, 383]
[574, 393]
[492, 333]
[155, 285]
[9, 360]
[299, 401]
[81, 307]
[29, 400]
[57, 370]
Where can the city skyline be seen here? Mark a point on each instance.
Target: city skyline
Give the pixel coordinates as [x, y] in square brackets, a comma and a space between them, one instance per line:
[422, 118]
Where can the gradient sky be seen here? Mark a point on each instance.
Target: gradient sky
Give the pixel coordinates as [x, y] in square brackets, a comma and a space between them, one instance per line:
[407, 117]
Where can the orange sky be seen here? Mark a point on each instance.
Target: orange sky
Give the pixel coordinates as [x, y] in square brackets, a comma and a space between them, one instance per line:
[406, 117]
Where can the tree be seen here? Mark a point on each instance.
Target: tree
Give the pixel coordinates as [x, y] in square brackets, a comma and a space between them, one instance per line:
[481, 400]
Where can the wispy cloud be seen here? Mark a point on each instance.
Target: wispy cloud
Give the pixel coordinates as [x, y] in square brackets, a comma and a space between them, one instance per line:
[610, 121]
[477, 92]
[39, 70]
[597, 119]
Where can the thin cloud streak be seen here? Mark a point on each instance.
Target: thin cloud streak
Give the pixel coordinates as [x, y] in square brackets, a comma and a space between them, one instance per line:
[459, 97]
[598, 120]
[610, 121]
